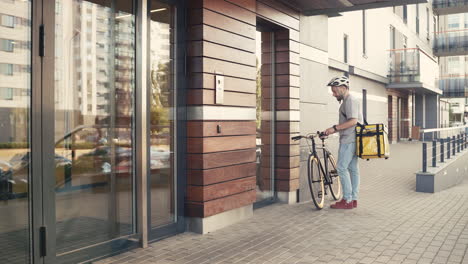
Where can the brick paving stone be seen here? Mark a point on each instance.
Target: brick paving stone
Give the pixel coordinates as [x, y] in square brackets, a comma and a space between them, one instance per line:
[411, 228]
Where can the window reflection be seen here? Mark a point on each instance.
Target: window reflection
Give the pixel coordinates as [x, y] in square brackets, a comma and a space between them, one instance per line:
[15, 87]
[162, 126]
[94, 89]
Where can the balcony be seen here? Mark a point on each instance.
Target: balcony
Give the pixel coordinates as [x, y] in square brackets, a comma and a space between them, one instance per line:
[447, 7]
[451, 43]
[413, 69]
[454, 86]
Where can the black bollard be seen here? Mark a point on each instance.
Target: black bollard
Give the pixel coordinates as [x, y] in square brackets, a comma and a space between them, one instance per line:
[424, 157]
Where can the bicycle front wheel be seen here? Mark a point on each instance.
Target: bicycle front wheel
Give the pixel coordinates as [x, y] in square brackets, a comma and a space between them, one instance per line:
[334, 180]
[315, 179]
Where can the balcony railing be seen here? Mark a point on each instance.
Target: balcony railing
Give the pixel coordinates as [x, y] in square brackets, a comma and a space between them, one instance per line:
[446, 7]
[404, 66]
[413, 65]
[454, 86]
[451, 43]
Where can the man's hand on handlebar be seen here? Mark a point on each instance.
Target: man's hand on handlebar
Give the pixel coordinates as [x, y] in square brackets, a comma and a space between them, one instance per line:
[329, 131]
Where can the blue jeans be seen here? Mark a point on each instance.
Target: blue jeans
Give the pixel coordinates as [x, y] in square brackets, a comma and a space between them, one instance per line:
[348, 171]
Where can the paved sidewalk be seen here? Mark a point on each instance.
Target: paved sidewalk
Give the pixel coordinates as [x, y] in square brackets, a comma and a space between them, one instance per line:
[392, 224]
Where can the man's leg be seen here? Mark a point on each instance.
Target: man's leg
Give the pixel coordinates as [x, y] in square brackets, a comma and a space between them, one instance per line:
[344, 160]
[354, 172]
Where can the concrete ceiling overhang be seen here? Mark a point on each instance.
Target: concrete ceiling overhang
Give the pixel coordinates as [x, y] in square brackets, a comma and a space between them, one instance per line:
[333, 7]
[416, 87]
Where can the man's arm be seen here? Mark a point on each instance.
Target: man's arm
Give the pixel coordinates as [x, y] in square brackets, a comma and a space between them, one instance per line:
[349, 123]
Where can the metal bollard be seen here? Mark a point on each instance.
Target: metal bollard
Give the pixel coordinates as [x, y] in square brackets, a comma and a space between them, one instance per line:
[448, 148]
[458, 143]
[465, 141]
[434, 153]
[453, 145]
[462, 136]
[424, 157]
[442, 152]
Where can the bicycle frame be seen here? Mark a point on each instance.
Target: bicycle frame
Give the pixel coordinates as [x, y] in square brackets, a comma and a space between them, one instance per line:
[323, 168]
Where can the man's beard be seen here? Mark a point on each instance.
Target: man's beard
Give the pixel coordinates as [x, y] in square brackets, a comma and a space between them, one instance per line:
[339, 98]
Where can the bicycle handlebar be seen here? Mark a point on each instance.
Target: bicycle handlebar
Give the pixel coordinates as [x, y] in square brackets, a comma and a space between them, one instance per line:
[319, 134]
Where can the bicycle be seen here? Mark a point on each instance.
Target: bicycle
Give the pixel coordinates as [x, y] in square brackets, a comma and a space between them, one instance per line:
[319, 176]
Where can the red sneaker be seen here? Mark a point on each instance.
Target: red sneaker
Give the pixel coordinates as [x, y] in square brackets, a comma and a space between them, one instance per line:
[354, 203]
[342, 205]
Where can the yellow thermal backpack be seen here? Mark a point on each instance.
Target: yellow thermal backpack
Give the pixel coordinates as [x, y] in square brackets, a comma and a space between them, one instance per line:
[372, 141]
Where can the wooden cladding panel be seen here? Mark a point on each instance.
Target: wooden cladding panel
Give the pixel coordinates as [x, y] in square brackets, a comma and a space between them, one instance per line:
[287, 185]
[287, 34]
[282, 80]
[279, 17]
[282, 8]
[220, 159]
[217, 175]
[222, 166]
[207, 17]
[287, 150]
[247, 4]
[282, 92]
[287, 92]
[228, 128]
[219, 190]
[287, 104]
[286, 139]
[282, 57]
[208, 65]
[284, 68]
[287, 174]
[231, 10]
[215, 51]
[207, 97]
[209, 208]
[215, 35]
[216, 144]
[287, 127]
[287, 162]
[207, 81]
[282, 127]
[281, 103]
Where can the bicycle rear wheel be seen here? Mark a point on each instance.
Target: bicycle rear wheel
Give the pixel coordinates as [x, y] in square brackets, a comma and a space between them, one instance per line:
[334, 180]
[315, 178]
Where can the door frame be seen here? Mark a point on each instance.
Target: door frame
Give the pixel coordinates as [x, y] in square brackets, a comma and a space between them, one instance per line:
[35, 200]
[44, 133]
[264, 25]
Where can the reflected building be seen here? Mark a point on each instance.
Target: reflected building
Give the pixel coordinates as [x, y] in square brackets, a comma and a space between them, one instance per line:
[96, 58]
[14, 71]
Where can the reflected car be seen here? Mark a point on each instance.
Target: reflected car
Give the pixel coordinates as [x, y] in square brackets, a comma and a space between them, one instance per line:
[83, 159]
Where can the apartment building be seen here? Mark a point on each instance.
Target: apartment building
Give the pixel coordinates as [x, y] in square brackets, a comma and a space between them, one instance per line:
[125, 122]
[450, 46]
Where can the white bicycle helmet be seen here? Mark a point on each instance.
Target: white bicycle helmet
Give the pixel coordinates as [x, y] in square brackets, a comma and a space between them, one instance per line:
[339, 81]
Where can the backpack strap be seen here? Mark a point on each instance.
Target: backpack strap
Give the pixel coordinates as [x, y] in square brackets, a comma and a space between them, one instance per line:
[378, 140]
[361, 147]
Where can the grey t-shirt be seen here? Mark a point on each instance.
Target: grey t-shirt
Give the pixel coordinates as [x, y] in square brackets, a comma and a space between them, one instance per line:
[350, 108]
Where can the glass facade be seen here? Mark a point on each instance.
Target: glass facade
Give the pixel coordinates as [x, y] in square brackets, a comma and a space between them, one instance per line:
[162, 127]
[15, 149]
[94, 121]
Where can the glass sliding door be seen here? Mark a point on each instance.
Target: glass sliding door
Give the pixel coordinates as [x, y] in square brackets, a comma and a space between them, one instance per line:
[94, 120]
[15, 126]
[162, 143]
[265, 117]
